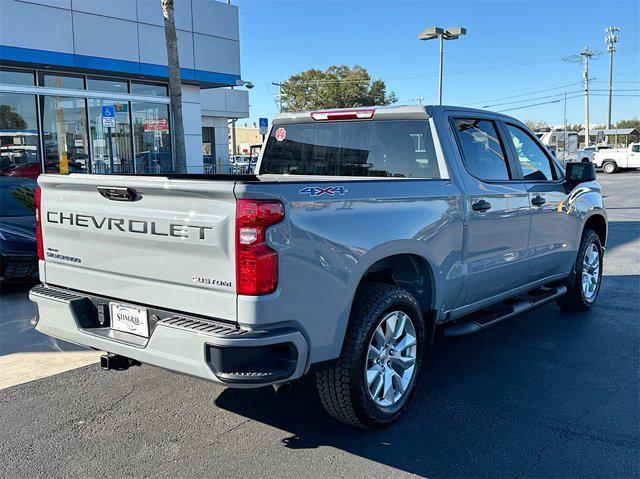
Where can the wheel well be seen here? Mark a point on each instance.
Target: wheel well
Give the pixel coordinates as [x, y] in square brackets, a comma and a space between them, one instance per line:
[409, 271]
[598, 224]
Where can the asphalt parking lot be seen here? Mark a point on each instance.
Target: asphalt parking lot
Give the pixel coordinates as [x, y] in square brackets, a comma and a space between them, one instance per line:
[546, 395]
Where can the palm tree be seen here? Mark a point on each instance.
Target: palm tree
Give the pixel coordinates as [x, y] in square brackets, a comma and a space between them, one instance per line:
[175, 89]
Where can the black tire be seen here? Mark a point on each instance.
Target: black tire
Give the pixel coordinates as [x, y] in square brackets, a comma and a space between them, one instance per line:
[575, 299]
[609, 167]
[342, 387]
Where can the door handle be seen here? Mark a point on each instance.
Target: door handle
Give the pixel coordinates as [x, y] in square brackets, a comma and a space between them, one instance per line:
[481, 206]
[117, 193]
[538, 201]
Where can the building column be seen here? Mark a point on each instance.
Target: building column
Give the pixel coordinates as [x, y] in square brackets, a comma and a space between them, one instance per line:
[191, 117]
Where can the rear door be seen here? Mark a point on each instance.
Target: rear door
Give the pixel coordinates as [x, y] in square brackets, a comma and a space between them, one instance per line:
[498, 224]
[633, 156]
[554, 231]
[154, 241]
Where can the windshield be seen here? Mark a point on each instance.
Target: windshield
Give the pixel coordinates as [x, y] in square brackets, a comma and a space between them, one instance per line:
[16, 197]
[395, 148]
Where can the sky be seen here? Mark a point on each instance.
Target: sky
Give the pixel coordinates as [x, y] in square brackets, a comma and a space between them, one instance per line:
[516, 53]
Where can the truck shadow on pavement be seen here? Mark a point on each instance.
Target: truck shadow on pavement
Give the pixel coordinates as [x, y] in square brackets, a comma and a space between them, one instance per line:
[540, 395]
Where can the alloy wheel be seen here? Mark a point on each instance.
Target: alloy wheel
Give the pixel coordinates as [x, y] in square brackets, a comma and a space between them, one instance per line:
[391, 359]
[590, 272]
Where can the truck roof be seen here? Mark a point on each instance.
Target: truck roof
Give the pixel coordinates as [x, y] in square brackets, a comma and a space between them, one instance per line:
[387, 112]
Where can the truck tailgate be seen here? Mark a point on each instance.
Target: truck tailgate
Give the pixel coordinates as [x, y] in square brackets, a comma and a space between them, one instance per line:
[171, 247]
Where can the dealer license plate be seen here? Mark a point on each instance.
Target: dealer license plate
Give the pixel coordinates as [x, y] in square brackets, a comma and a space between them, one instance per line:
[130, 319]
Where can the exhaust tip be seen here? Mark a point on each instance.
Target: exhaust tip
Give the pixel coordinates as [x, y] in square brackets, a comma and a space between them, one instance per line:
[282, 388]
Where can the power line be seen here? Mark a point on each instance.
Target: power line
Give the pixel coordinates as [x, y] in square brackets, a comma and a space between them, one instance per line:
[525, 94]
[558, 100]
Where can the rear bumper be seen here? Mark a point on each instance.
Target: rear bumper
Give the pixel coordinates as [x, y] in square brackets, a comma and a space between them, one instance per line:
[198, 347]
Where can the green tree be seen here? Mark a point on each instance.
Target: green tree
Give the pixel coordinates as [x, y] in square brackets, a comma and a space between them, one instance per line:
[10, 120]
[24, 196]
[336, 87]
[629, 123]
[536, 125]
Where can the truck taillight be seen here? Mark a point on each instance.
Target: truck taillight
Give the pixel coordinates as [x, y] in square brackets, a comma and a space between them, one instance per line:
[256, 262]
[36, 197]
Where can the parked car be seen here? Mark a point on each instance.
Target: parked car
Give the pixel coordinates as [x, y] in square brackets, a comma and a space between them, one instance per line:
[362, 233]
[18, 255]
[586, 154]
[616, 159]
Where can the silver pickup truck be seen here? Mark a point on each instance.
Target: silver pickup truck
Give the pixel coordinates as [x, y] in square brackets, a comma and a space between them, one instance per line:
[362, 234]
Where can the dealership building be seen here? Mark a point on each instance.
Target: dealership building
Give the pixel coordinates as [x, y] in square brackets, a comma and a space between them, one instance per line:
[83, 85]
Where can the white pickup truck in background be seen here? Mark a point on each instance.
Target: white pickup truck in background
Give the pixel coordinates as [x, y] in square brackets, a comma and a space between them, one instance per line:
[614, 159]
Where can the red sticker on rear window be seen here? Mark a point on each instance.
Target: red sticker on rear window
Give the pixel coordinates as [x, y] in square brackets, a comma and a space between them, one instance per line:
[281, 133]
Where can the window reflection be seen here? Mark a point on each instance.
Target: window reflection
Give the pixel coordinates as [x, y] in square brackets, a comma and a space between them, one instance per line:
[148, 89]
[64, 128]
[18, 136]
[114, 85]
[151, 138]
[62, 81]
[16, 77]
[110, 146]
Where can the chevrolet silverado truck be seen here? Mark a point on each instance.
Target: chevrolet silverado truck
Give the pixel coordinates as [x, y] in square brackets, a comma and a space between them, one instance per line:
[614, 159]
[362, 233]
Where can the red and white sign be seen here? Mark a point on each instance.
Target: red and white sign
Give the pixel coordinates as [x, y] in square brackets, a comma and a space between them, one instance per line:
[281, 133]
[156, 125]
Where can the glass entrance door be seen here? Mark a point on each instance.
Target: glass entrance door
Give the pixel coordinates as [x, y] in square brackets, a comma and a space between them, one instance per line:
[64, 129]
[110, 145]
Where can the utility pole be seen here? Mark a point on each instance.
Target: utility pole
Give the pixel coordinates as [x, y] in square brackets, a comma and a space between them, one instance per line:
[610, 39]
[586, 54]
[279, 100]
[566, 139]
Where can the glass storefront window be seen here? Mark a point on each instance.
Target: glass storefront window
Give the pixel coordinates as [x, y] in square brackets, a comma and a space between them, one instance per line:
[151, 138]
[19, 154]
[114, 85]
[64, 130]
[111, 147]
[57, 80]
[148, 89]
[16, 77]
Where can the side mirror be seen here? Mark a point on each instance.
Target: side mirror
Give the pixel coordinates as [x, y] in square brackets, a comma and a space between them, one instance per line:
[579, 172]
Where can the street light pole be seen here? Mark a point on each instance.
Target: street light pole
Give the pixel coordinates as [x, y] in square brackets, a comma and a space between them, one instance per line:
[442, 34]
[440, 70]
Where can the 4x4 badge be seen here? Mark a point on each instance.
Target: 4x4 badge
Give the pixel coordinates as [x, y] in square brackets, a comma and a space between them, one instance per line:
[320, 190]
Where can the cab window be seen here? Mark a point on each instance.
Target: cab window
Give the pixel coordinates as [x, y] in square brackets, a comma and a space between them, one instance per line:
[482, 151]
[536, 165]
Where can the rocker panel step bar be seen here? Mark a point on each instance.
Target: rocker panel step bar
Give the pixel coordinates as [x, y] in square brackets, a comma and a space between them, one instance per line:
[489, 317]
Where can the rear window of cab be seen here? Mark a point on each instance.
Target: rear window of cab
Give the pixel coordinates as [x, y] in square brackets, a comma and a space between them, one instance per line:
[380, 148]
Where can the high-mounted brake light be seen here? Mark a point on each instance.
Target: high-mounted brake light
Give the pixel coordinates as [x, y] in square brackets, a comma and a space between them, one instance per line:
[37, 200]
[256, 263]
[343, 115]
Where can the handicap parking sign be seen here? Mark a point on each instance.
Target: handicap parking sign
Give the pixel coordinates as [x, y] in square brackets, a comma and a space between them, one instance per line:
[109, 111]
[264, 125]
[109, 116]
